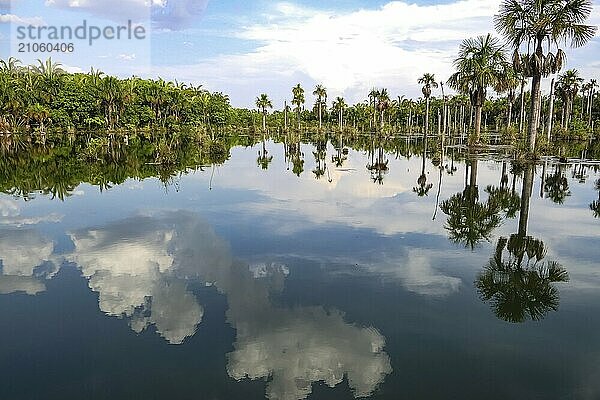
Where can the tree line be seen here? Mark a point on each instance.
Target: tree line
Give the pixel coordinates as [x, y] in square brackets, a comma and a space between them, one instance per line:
[44, 96]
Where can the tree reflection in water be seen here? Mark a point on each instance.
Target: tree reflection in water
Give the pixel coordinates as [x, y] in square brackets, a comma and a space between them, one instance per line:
[595, 205]
[520, 286]
[469, 220]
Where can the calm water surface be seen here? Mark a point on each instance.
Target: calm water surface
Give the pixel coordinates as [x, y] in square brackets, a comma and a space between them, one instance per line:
[361, 278]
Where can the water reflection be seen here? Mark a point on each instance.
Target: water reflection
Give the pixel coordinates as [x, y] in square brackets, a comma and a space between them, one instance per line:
[520, 286]
[471, 221]
[26, 260]
[422, 189]
[142, 268]
[556, 185]
[595, 205]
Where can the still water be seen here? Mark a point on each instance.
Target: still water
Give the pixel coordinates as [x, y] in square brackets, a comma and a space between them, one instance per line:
[311, 271]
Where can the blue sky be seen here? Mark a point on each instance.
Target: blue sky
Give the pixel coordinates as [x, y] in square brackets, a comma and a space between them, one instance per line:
[245, 48]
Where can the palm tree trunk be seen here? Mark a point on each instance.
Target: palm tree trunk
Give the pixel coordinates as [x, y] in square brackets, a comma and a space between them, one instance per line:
[474, 167]
[478, 110]
[551, 111]
[525, 199]
[510, 107]
[320, 116]
[426, 117]
[522, 113]
[591, 104]
[535, 107]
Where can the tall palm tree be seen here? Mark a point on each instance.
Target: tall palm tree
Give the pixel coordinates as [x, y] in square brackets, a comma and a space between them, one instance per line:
[298, 100]
[481, 64]
[569, 84]
[533, 24]
[321, 94]
[383, 103]
[428, 82]
[508, 84]
[263, 103]
[339, 105]
[373, 97]
[593, 86]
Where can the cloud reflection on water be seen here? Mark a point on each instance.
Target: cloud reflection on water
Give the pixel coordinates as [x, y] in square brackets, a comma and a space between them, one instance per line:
[141, 267]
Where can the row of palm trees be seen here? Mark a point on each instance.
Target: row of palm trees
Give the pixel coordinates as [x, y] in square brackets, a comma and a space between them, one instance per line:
[533, 30]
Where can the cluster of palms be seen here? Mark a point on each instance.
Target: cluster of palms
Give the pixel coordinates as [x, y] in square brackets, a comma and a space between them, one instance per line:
[46, 95]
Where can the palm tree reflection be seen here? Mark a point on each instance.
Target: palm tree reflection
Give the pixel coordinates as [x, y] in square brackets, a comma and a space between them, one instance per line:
[595, 205]
[422, 189]
[469, 220]
[557, 185]
[378, 166]
[519, 286]
[516, 282]
[264, 159]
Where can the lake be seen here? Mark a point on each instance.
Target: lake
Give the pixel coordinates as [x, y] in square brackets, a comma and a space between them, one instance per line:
[318, 270]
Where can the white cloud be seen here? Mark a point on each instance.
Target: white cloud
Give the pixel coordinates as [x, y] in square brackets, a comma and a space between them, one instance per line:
[348, 52]
[119, 10]
[126, 57]
[15, 19]
[164, 14]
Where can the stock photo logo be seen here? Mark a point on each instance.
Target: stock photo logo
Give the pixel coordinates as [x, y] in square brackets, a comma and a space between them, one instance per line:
[121, 27]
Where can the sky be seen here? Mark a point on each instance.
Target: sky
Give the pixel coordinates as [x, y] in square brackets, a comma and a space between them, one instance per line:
[245, 48]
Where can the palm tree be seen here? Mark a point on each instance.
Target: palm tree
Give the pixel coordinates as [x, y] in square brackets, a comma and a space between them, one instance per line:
[383, 103]
[111, 96]
[373, 96]
[338, 106]
[298, 100]
[508, 84]
[428, 82]
[481, 64]
[593, 86]
[569, 84]
[321, 94]
[533, 23]
[263, 103]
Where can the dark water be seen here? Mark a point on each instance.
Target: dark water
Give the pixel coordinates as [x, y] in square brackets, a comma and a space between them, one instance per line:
[238, 282]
